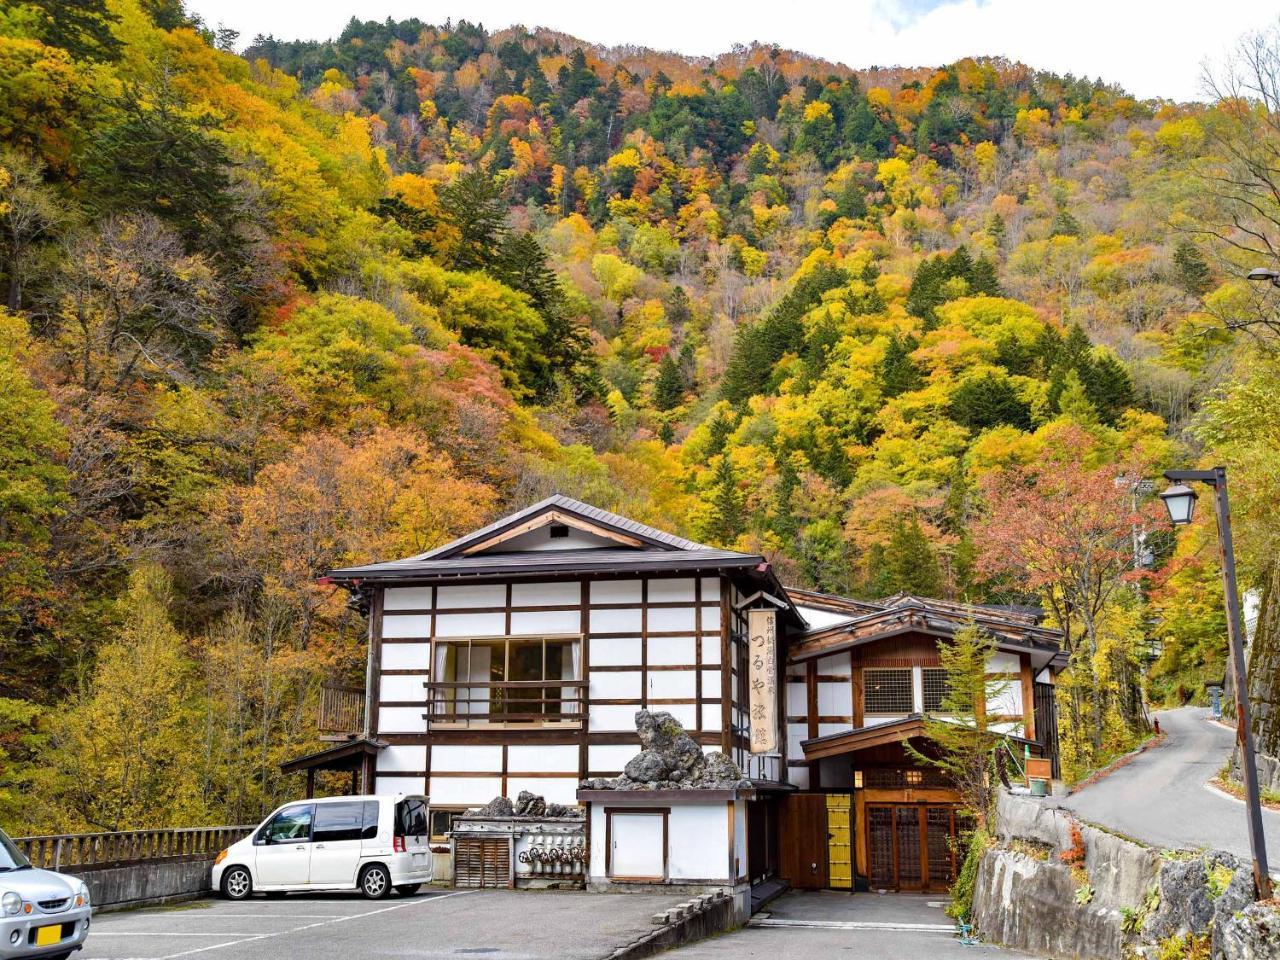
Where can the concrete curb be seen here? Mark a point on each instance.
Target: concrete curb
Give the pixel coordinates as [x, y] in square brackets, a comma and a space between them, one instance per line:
[1123, 760]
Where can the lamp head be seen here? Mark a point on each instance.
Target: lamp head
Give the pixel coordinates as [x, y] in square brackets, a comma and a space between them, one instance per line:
[1263, 275]
[1180, 501]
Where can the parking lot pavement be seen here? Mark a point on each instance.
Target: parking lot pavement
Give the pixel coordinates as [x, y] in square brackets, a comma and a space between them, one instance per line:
[803, 925]
[489, 924]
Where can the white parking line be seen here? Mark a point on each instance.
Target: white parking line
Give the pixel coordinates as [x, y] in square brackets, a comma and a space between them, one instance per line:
[250, 938]
[856, 925]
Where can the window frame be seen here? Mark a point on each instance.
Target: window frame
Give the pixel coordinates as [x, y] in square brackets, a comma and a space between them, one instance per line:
[867, 677]
[442, 693]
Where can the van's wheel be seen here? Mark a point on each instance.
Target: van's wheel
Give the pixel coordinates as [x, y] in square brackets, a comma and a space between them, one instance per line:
[375, 881]
[237, 884]
[408, 889]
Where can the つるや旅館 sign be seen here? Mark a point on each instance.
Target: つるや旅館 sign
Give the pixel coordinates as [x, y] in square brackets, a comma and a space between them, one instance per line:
[762, 679]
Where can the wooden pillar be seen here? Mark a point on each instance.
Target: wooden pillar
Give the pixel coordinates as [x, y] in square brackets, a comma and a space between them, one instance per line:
[311, 782]
[351, 790]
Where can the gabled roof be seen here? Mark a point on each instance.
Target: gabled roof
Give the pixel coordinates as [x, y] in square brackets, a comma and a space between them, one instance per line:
[542, 563]
[903, 614]
[568, 509]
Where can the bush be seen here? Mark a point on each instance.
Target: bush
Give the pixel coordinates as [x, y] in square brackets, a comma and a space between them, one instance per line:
[961, 905]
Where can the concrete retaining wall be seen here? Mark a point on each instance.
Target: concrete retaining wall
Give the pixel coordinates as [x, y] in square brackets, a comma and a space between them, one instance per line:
[702, 917]
[146, 883]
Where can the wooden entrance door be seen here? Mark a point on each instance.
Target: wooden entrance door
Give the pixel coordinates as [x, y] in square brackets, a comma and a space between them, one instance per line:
[911, 846]
[803, 832]
[839, 841]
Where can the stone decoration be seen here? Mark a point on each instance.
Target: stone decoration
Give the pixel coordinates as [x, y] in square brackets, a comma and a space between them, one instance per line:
[528, 806]
[670, 759]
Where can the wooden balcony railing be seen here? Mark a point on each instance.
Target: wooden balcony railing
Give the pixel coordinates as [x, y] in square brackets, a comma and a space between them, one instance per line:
[77, 850]
[507, 703]
[341, 709]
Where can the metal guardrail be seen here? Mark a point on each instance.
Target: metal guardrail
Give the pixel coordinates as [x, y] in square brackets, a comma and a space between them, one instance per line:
[71, 850]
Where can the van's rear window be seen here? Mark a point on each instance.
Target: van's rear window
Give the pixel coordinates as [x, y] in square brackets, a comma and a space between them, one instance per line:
[411, 818]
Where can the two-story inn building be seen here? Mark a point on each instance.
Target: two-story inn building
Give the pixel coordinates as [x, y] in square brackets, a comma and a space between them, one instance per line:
[516, 657]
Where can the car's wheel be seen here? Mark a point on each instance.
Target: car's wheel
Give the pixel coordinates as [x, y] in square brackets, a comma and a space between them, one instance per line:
[237, 884]
[408, 889]
[375, 881]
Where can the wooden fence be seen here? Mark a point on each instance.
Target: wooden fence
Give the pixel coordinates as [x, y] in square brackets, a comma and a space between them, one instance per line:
[79, 850]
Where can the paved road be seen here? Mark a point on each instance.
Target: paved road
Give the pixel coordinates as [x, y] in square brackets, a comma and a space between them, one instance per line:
[489, 924]
[1160, 797]
[804, 925]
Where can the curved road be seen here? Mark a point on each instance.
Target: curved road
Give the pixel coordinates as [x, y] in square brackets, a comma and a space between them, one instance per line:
[1160, 797]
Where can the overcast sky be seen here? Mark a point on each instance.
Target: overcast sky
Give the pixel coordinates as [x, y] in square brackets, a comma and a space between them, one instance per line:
[1154, 48]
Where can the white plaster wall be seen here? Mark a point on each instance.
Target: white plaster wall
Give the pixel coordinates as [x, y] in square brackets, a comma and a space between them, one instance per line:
[711, 685]
[473, 595]
[464, 791]
[615, 685]
[673, 684]
[698, 842]
[796, 733]
[673, 651]
[1007, 700]
[626, 620]
[836, 664]
[399, 757]
[596, 866]
[669, 619]
[540, 539]
[710, 647]
[798, 776]
[456, 758]
[740, 836]
[671, 591]
[401, 720]
[546, 594]
[615, 591]
[878, 719]
[389, 785]
[610, 756]
[544, 758]
[545, 622]
[835, 700]
[403, 688]
[406, 598]
[685, 713]
[797, 699]
[553, 789]
[1004, 663]
[615, 651]
[612, 717]
[711, 618]
[406, 656]
[405, 626]
[471, 624]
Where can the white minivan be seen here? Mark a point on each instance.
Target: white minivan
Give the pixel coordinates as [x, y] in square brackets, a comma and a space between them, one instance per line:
[371, 843]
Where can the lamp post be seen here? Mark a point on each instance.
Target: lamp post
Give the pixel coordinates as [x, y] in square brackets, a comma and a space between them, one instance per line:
[1180, 501]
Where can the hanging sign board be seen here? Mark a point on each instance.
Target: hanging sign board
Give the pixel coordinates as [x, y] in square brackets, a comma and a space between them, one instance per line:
[762, 679]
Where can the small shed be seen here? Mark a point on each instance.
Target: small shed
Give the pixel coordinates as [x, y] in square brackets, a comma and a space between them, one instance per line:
[693, 840]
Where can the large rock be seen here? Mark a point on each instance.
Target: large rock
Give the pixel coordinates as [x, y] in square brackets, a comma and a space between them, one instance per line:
[670, 759]
[498, 807]
[1249, 934]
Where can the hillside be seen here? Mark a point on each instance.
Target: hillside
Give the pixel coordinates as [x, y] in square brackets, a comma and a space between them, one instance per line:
[330, 302]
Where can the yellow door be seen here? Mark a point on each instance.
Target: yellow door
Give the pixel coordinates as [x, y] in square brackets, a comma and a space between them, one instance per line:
[839, 845]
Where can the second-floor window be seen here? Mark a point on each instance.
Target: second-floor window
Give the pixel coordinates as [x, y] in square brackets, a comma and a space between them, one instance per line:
[934, 682]
[506, 680]
[888, 690]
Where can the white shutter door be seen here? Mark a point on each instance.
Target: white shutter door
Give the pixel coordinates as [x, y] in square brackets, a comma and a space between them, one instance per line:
[637, 845]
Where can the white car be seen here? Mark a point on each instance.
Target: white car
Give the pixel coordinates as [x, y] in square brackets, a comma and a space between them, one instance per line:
[42, 913]
[373, 844]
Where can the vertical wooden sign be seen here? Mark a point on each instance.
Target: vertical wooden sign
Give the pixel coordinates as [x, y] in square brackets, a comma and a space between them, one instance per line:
[762, 678]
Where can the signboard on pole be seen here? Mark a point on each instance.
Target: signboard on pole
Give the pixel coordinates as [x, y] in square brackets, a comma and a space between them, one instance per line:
[762, 679]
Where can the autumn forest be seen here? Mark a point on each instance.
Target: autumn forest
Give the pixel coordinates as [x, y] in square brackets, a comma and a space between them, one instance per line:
[312, 304]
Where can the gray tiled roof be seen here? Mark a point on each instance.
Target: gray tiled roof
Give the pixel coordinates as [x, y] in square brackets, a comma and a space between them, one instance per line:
[541, 562]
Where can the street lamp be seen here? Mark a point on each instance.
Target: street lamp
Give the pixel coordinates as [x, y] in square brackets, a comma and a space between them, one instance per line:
[1263, 275]
[1180, 501]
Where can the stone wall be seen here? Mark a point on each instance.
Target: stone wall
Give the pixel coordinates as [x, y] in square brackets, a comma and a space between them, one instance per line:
[1110, 896]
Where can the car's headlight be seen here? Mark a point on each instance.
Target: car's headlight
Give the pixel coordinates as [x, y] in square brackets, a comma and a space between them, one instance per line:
[82, 895]
[222, 855]
[11, 903]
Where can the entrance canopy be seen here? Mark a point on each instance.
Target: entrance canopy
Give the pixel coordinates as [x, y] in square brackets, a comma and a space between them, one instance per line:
[881, 734]
[356, 757]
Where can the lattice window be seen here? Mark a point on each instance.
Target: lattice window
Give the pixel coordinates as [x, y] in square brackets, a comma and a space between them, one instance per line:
[887, 691]
[935, 688]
